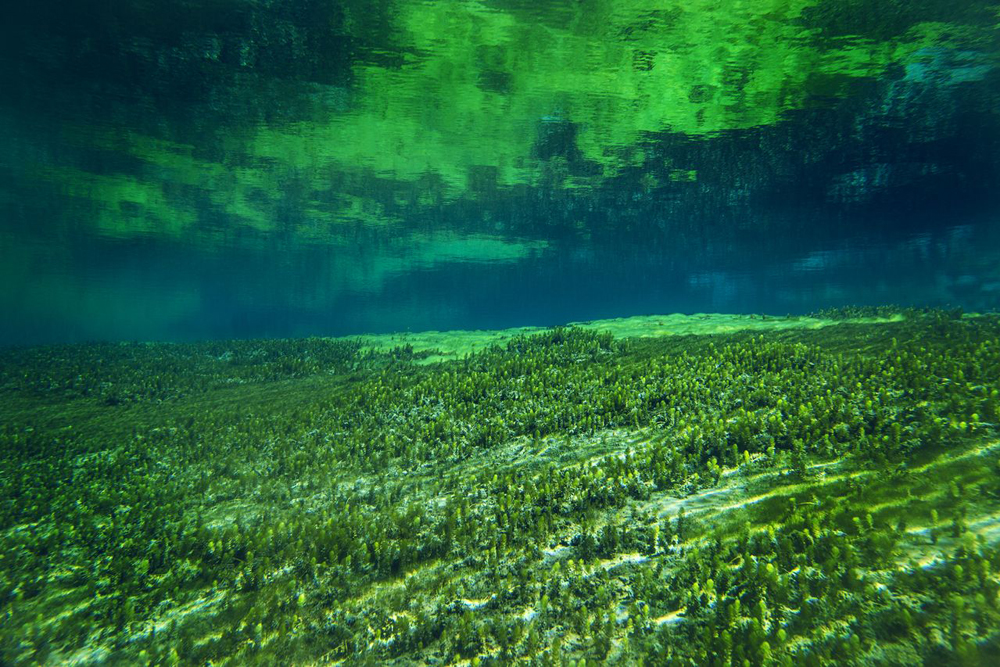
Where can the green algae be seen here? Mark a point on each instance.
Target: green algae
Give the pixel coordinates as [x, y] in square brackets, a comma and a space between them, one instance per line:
[790, 491]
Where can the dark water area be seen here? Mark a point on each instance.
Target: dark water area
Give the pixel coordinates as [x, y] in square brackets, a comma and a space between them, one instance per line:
[311, 168]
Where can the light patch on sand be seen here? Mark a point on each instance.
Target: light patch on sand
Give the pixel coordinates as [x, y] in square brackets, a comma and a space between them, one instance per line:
[793, 489]
[399, 582]
[671, 618]
[712, 499]
[987, 526]
[86, 656]
[208, 639]
[474, 604]
[561, 551]
[981, 450]
[621, 559]
[66, 613]
[178, 614]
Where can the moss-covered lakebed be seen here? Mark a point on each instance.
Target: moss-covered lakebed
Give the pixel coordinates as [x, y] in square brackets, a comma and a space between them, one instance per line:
[781, 491]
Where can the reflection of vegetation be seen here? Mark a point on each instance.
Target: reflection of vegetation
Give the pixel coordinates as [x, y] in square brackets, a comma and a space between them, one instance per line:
[790, 497]
[615, 70]
[477, 98]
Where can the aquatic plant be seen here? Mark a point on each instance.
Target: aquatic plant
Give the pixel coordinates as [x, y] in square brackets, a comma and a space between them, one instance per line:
[564, 496]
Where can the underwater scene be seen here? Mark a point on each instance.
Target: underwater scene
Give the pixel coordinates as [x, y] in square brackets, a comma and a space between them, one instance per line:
[500, 332]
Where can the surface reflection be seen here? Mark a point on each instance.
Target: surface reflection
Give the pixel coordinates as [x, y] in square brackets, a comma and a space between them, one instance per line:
[273, 169]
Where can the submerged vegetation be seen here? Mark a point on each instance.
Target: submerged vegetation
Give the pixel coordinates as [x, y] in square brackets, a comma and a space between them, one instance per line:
[793, 497]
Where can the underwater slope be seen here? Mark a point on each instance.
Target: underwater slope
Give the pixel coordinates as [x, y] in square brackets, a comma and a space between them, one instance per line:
[788, 495]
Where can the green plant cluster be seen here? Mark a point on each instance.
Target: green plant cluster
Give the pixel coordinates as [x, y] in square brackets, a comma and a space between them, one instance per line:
[551, 499]
[823, 578]
[117, 373]
[859, 312]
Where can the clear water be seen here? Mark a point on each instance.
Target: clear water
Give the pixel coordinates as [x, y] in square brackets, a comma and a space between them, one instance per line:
[283, 372]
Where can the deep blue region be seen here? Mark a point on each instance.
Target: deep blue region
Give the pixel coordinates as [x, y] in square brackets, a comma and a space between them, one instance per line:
[256, 293]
